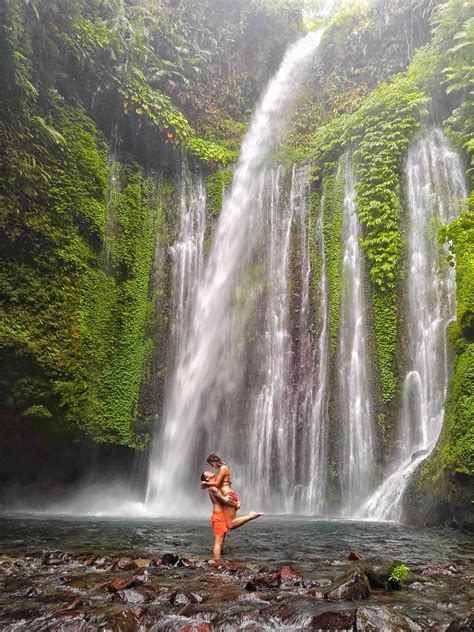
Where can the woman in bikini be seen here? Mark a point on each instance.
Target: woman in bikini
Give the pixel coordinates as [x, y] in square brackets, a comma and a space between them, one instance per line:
[223, 483]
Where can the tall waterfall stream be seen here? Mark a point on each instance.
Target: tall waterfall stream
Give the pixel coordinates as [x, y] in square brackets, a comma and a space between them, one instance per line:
[208, 364]
[434, 185]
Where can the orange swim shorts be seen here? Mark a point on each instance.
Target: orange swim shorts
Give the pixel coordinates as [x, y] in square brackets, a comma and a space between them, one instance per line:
[218, 523]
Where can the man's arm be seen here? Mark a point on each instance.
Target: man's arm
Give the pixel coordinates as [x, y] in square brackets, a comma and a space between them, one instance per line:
[223, 500]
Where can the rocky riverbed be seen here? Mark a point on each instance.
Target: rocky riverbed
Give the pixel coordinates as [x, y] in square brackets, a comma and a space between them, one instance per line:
[59, 590]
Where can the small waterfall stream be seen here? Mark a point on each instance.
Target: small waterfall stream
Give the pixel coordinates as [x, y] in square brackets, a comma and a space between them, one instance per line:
[314, 449]
[434, 186]
[187, 254]
[355, 406]
[198, 390]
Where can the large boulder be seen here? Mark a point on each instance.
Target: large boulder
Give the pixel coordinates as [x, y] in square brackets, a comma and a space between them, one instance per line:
[378, 571]
[352, 585]
[377, 619]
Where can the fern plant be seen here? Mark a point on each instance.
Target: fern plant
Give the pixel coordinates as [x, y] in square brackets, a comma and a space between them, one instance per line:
[398, 575]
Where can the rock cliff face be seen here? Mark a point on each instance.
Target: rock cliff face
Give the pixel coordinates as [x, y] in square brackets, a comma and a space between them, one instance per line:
[118, 139]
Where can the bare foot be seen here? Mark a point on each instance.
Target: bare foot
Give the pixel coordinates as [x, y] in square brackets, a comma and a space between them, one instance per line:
[255, 514]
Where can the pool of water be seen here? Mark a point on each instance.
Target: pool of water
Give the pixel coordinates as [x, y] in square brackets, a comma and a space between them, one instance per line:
[270, 539]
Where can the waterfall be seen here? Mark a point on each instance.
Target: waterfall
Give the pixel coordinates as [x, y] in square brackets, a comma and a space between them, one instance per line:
[187, 255]
[354, 402]
[273, 423]
[434, 185]
[202, 380]
[317, 439]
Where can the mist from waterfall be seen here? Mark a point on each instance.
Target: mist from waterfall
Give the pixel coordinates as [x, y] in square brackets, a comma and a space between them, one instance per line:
[434, 185]
[355, 408]
[208, 366]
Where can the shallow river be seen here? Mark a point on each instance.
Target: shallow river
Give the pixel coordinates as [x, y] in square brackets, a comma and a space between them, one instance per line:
[316, 550]
[272, 539]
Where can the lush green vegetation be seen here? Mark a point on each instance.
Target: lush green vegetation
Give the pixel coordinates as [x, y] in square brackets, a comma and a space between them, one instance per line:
[99, 100]
[398, 575]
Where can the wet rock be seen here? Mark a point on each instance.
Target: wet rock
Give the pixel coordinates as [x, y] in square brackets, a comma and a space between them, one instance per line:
[196, 627]
[128, 596]
[181, 598]
[287, 575]
[169, 559]
[32, 591]
[376, 619]
[131, 620]
[124, 564]
[263, 581]
[431, 571]
[330, 620]
[378, 572]
[316, 593]
[462, 624]
[61, 622]
[282, 611]
[354, 555]
[99, 562]
[53, 558]
[352, 585]
[120, 583]
[202, 626]
[74, 604]
[142, 562]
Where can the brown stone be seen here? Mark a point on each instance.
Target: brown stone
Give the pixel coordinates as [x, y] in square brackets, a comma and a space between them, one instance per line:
[196, 627]
[124, 564]
[330, 620]
[431, 571]
[287, 575]
[120, 583]
[316, 593]
[142, 562]
[355, 556]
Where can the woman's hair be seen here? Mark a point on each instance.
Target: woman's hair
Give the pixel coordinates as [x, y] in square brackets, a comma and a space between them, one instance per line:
[214, 458]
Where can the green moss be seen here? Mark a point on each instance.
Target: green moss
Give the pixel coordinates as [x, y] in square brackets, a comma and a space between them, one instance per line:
[215, 184]
[75, 288]
[114, 309]
[455, 450]
[333, 203]
[385, 325]
[314, 256]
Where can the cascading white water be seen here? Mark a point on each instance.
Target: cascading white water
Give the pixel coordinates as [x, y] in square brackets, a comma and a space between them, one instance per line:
[199, 386]
[354, 401]
[314, 495]
[434, 185]
[287, 424]
[187, 254]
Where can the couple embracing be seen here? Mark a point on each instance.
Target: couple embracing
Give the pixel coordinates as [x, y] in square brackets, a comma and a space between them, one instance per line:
[225, 502]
